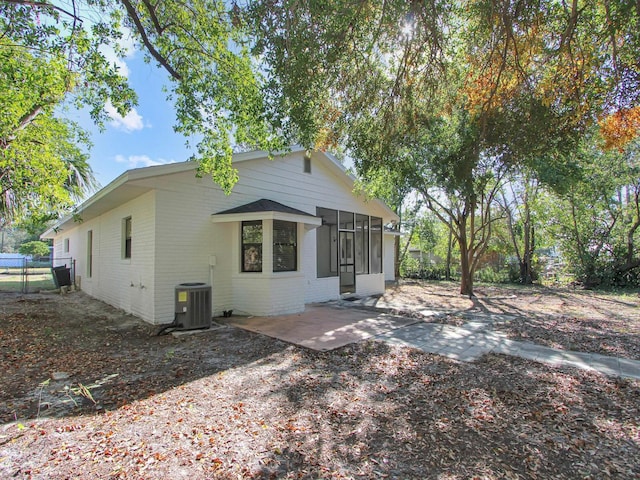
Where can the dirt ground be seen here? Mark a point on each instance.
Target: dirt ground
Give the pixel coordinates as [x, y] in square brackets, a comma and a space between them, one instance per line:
[89, 392]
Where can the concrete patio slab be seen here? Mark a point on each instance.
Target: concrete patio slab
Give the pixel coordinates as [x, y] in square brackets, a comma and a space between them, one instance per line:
[323, 326]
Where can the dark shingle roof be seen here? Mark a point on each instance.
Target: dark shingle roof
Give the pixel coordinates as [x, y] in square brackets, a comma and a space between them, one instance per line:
[264, 205]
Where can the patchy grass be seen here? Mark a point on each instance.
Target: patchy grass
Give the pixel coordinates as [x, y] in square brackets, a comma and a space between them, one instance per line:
[13, 282]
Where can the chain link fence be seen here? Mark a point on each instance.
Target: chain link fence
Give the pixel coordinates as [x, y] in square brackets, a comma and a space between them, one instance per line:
[26, 274]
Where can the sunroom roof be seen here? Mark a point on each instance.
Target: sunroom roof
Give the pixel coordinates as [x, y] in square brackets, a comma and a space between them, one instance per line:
[264, 209]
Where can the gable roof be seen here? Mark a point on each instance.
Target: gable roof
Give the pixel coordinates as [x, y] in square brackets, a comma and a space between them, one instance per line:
[131, 184]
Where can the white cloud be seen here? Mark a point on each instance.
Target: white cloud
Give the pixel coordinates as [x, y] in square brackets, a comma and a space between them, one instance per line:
[138, 161]
[131, 122]
[121, 65]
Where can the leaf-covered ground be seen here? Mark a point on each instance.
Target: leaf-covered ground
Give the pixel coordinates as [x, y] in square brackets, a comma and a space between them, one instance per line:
[569, 319]
[232, 404]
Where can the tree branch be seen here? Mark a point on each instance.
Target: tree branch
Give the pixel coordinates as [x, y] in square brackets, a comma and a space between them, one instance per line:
[32, 3]
[133, 16]
[23, 123]
[154, 18]
[433, 204]
[512, 235]
[567, 35]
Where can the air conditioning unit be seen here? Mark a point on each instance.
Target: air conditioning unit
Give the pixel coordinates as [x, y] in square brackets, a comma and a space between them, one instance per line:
[193, 306]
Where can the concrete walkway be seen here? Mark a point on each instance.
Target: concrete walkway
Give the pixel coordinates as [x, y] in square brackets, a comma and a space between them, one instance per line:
[467, 344]
[476, 337]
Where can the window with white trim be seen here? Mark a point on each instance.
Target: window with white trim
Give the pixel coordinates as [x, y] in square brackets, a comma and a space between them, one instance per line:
[89, 253]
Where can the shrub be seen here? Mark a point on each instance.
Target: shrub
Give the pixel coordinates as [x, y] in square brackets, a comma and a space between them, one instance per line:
[35, 248]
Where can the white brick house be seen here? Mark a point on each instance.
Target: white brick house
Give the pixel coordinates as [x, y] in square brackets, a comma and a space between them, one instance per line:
[292, 232]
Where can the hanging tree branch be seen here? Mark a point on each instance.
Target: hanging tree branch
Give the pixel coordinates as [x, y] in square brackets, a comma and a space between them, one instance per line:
[46, 5]
[133, 16]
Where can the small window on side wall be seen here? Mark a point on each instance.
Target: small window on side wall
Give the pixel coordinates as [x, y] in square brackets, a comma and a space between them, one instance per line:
[66, 245]
[89, 253]
[307, 164]
[126, 237]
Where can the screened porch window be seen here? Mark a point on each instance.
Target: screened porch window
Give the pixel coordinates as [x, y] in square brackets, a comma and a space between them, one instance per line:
[339, 231]
[327, 243]
[362, 243]
[285, 246]
[252, 246]
[376, 245]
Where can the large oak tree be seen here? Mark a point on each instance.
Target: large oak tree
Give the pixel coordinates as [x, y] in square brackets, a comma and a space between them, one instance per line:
[452, 94]
[447, 95]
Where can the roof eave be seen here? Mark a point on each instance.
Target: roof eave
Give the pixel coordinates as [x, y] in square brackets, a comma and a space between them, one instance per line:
[128, 176]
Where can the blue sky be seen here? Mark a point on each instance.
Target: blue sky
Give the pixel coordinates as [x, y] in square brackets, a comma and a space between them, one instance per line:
[145, 136]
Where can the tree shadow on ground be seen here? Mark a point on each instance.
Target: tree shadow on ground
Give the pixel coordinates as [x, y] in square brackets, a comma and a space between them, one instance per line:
[372, 410]
[570, 319]
[73, 355]
[582, 321]
[233, 404]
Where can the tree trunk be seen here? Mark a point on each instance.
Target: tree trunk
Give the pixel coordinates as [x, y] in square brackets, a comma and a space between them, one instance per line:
[632, 230]
[396, 243]
[526, 268]
[466, 279]
[466, 257]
